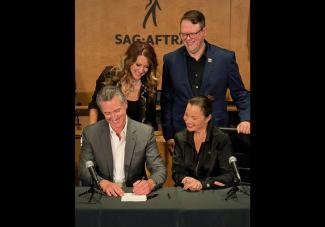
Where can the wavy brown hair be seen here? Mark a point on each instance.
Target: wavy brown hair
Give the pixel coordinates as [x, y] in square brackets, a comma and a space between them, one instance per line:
[122, 71]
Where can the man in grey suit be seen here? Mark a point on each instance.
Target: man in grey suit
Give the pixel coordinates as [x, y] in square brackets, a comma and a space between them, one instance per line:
[120, 148]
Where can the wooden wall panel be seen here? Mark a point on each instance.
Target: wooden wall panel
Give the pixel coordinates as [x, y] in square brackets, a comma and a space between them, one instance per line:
[239, 37]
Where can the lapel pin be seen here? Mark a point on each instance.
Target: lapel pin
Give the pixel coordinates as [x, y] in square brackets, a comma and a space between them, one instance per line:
[209, 60]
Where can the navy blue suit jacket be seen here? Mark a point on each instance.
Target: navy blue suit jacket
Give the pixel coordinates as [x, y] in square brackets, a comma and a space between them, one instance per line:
[220, 72]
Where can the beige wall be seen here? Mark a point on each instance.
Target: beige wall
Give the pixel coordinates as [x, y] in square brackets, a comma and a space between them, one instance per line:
[98, 22]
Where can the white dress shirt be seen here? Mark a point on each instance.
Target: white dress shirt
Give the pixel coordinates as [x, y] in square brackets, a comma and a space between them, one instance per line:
[118, 150]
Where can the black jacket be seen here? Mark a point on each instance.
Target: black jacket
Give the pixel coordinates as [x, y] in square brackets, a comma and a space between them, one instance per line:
[209, 165]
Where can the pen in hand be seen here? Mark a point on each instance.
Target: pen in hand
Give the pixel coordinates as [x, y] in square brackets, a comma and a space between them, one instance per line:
[139, 181]
[141, 188]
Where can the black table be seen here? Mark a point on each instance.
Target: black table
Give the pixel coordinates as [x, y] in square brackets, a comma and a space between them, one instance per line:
[169, 207]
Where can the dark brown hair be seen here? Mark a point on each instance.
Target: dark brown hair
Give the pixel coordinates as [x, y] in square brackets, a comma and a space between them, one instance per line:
[195, 16]
[204, 102]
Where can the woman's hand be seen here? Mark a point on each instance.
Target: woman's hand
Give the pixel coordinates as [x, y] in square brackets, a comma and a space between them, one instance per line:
[191, 184]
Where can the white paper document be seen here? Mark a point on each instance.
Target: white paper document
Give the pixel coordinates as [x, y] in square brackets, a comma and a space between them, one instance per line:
[131, 197]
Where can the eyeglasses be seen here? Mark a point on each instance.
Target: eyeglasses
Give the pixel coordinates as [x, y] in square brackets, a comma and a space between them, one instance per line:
[191, 35]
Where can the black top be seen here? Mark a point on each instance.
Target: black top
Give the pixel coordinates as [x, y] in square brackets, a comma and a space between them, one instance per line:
[209, 165]
[142, 110]
[195, 72]
[133, 110]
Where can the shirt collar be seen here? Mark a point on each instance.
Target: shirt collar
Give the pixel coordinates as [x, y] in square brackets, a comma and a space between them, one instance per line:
[204, 53]
[190, 135]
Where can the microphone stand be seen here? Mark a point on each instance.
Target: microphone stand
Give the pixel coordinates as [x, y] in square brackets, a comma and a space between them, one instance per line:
[94, 189]
[231, 194]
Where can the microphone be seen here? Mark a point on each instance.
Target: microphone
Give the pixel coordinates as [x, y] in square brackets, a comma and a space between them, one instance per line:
[232, 162]
[90, 167]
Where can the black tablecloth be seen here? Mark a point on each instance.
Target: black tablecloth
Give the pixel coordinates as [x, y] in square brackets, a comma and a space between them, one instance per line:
[168, 207]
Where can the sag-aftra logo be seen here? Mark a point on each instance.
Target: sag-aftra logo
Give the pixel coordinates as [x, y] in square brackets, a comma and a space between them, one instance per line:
[154, 39]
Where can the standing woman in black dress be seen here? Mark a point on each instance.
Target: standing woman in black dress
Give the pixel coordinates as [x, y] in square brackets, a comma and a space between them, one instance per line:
[136, 76]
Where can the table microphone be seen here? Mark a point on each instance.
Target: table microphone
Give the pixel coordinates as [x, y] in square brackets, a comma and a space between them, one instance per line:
[232, 162]
[90, 167]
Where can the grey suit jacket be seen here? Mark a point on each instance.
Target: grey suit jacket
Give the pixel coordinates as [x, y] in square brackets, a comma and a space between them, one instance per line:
[140, 149]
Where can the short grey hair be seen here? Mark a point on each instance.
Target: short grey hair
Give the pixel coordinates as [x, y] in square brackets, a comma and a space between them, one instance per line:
[108, 92]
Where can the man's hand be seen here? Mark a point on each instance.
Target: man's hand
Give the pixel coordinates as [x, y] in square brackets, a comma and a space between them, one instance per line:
[191, 184]
[143, 187]
[244, 127]
[170, 145]
[111, 189]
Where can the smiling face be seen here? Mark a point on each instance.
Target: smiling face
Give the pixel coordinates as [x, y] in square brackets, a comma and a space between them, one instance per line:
[194, 118]
[195, 43]
[115, 113]
[140, 67]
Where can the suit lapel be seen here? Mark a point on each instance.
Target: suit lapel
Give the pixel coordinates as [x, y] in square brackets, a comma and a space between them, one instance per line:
[129, 146]
[207, 68]
[105, 139]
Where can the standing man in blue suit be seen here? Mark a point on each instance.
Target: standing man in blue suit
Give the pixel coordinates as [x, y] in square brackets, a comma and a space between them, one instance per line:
[200, 68]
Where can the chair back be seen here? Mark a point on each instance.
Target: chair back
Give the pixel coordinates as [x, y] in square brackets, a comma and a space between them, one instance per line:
[242, 151]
